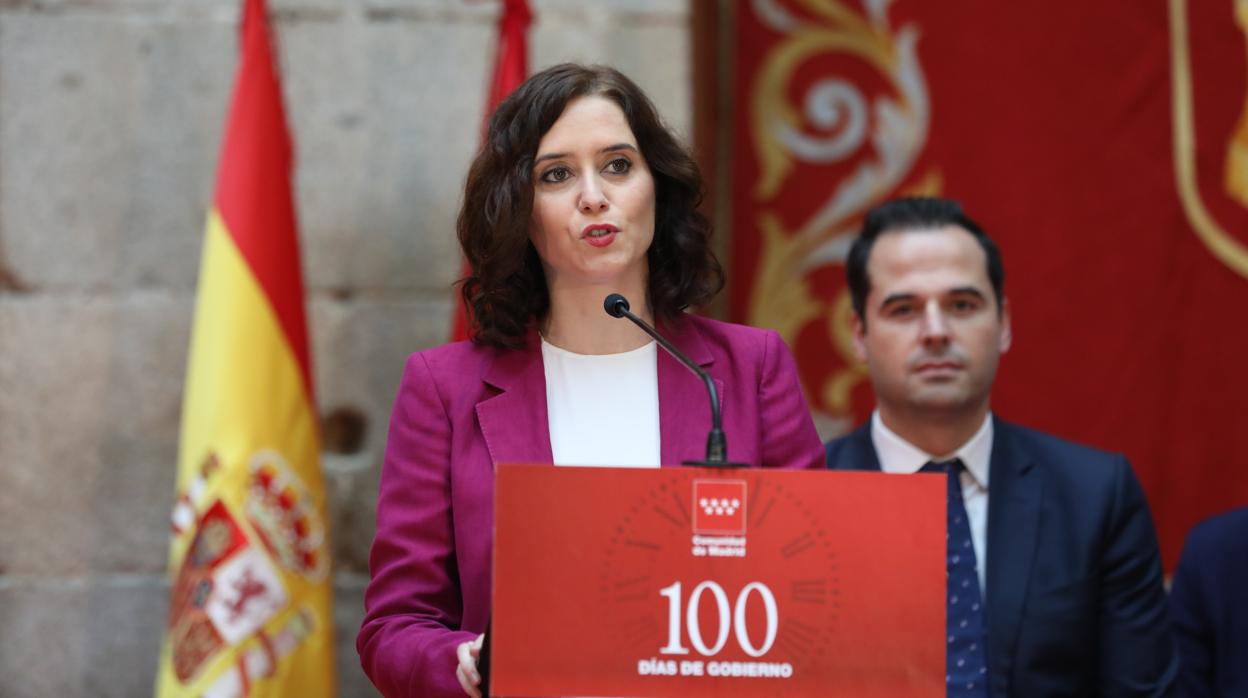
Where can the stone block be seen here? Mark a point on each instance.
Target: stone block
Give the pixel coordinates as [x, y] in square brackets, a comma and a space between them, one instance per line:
[316, 10]
[488, 10]
[76, 637]
[90, 398]
[648, 9]
[163, 10]
[359, 349]
[109, 129]
[386, 126]
[444, 11]
[655, 55]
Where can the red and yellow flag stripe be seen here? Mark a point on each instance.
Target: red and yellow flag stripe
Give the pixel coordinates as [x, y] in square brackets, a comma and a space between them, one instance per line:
[251, 609]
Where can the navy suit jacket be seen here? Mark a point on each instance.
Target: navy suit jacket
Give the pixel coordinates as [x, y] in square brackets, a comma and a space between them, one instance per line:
[1075, 604]
[1209, 604]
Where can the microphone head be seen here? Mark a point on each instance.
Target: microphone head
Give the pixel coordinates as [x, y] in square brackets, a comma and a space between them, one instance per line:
[615, 305]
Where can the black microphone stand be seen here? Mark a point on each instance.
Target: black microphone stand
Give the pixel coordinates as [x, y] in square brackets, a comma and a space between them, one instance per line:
[617, 306]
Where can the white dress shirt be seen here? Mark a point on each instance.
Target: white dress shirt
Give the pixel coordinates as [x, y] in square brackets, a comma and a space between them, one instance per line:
[900, 456]
[603, 409]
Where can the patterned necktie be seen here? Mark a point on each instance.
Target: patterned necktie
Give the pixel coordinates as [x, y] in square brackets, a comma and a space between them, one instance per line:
[966, 669]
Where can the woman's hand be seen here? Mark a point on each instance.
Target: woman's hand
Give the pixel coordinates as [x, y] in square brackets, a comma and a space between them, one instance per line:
[466, 672]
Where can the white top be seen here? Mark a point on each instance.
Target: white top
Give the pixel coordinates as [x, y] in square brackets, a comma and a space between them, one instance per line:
[900, 456]
[603, 409]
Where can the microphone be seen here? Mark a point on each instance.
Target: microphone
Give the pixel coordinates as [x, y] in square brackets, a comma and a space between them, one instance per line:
[617, 306]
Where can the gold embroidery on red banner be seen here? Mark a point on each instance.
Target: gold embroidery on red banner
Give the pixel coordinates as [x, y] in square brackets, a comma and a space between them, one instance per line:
[1236, 175]
[864, 139]
[1225, 247]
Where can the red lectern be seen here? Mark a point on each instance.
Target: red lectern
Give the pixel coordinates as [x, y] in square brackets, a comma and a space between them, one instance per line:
[700, 582]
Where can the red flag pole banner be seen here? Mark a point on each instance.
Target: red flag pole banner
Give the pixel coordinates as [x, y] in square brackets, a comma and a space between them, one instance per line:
[250, 607]
[511, 67]
[1103, 145]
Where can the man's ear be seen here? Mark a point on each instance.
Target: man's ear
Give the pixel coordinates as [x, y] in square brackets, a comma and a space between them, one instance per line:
[859, 329]
[1007, 334]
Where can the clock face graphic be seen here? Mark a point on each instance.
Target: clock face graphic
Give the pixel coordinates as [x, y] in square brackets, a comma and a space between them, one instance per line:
[701, 582]
[749, 573]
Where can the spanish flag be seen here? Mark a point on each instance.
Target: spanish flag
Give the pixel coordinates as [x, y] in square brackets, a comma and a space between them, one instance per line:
[250, 605]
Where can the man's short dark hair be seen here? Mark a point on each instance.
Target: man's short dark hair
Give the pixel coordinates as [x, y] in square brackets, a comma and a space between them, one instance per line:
[914, 213]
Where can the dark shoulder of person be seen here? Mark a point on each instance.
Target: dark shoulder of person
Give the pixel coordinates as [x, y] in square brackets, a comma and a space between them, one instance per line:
[1222, 535]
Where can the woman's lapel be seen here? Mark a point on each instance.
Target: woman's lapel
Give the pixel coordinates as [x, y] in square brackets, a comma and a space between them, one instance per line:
[684, 407]
[514, 421]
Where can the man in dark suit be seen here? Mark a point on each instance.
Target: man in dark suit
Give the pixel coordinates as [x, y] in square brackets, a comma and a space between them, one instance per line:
[1209, 604]
[1054, 575]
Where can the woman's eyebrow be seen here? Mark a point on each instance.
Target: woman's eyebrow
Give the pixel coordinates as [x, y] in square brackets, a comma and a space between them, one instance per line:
[608, 149]
[550, 156]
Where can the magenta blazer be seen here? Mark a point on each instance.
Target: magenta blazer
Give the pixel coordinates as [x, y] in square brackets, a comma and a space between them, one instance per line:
[462, 409]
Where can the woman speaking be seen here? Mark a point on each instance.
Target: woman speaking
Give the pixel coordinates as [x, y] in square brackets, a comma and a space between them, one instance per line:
[579, 191]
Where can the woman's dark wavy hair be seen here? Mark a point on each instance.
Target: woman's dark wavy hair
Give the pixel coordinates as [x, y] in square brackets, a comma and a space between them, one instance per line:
[506, 289]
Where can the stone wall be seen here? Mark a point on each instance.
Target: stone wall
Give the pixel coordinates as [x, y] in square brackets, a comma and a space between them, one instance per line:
[110, 117]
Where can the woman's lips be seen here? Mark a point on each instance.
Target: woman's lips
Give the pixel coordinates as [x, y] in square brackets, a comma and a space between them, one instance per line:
[599, 235]
[601, 240]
